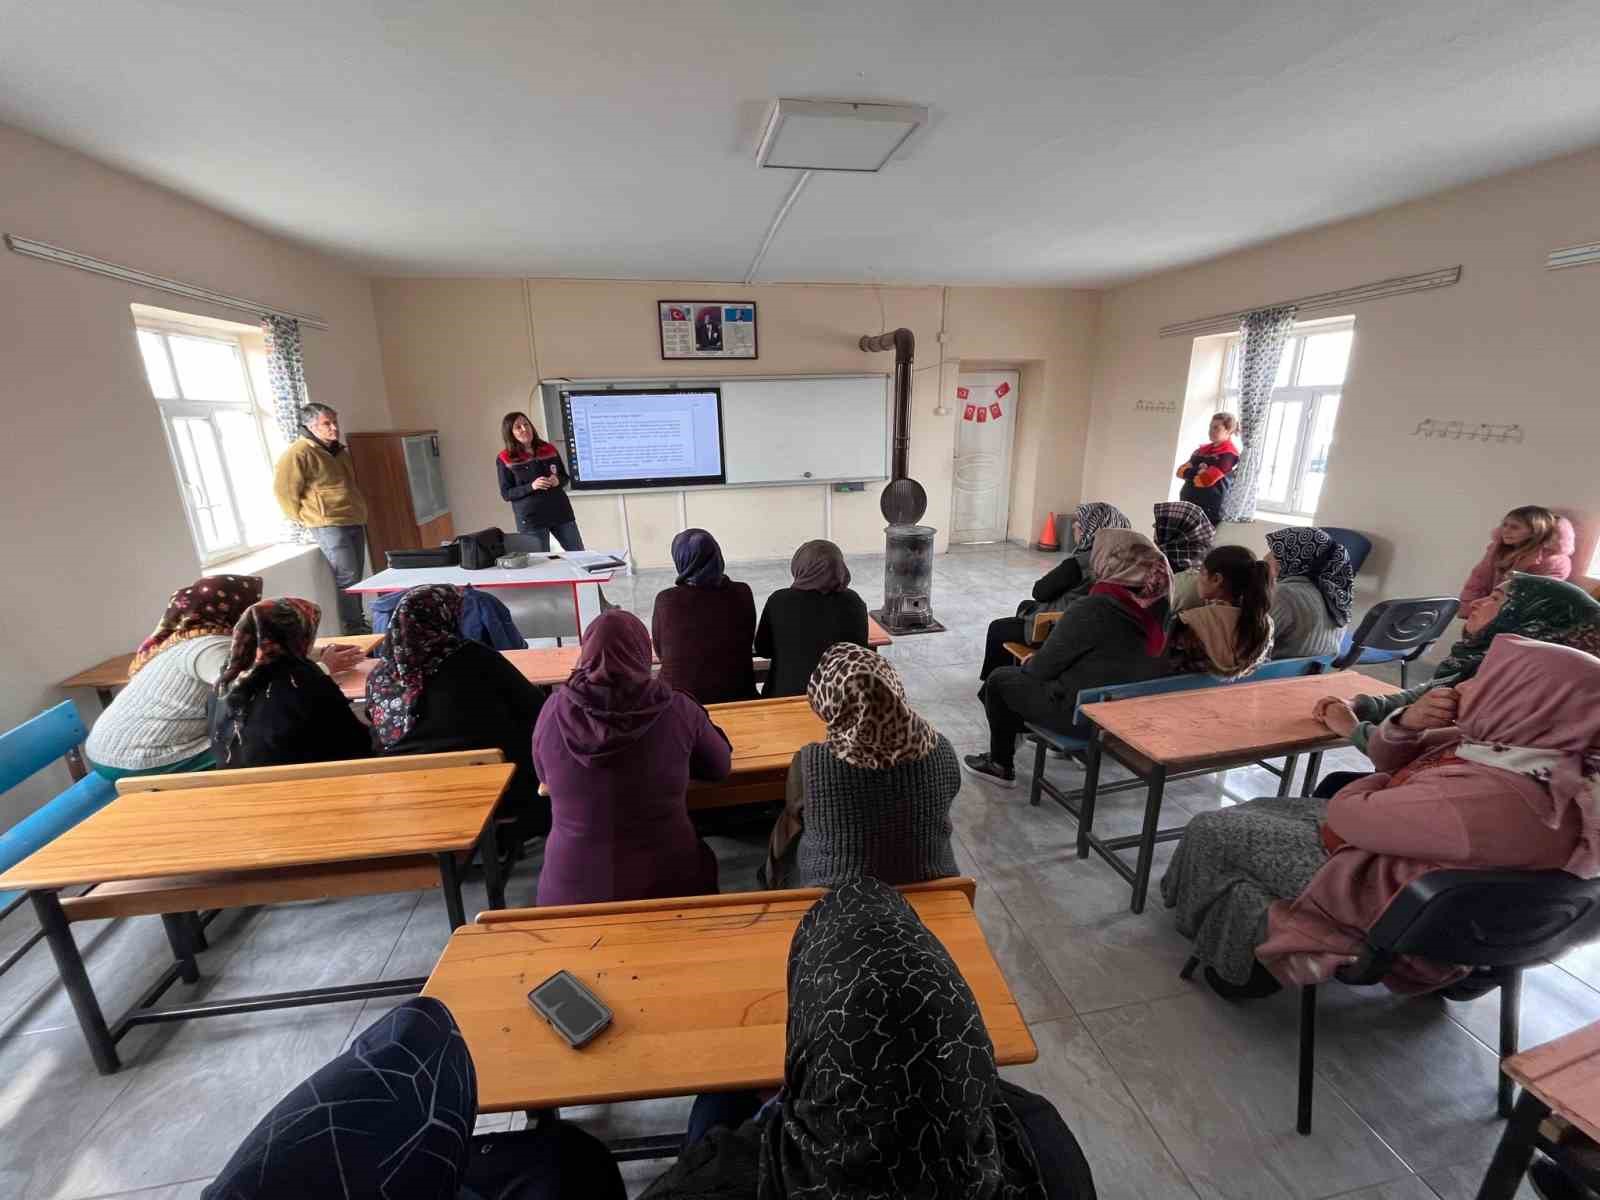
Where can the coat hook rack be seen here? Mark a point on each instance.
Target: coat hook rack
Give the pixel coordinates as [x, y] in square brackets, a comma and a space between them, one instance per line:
[1433, 427]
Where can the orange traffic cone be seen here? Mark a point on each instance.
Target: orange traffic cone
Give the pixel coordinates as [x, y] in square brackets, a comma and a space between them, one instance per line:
[1047, 534]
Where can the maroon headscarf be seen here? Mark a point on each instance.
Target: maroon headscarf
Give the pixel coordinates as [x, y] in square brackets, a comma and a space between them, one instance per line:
[611, 699]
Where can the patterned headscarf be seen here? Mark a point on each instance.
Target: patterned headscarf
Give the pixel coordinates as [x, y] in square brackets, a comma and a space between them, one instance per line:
[890, 1086]
[392, 1116]
[424, 631]
[1092, 518]
[1537, 607]
[1536, 712]
[268, 631]
[1315, 555]
[1126, 565]
[860, 696]
[699, 559]
[208, 607]
[611, 699]
[819, 566]
[1183, 533]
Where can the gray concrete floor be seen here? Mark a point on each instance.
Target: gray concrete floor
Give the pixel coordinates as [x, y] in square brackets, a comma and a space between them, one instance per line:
[1171, 1091]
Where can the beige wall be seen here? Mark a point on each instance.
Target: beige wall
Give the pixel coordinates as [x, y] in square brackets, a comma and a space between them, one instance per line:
[459, 353]
[92, 524]
[1512, 342]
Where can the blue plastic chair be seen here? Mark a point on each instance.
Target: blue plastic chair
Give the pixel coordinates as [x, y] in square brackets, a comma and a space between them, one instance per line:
[25, 751]
[1356, 545]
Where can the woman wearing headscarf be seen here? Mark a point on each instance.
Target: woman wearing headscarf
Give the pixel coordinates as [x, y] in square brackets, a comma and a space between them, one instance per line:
[1184, 534]
[1057, 587]
[1315, 592]
[273, 705]
[349, 1132]
[802, 620]
[434, 691]
[1531, 606]
[616, 748]
[158, 723]
[703, 626]
[890, 1086]
[874, 797]
[1115, 634]
[1282, 890]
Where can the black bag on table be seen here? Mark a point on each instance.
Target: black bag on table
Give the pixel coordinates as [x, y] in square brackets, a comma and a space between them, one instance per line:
[479, 550]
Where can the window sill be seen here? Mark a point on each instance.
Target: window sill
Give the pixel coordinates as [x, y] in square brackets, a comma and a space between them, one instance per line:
[258, 561]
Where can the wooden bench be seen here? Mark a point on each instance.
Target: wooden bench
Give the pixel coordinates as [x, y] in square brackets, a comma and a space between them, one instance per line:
[243, 889]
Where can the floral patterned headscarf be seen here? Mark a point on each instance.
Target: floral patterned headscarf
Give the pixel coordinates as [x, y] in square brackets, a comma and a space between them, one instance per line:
[268, 631]
[208, 607]
[860, 696]
[424, 631]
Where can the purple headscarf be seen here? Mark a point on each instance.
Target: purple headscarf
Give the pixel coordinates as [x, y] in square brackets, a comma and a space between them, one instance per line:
[699, 559]
[611, 699]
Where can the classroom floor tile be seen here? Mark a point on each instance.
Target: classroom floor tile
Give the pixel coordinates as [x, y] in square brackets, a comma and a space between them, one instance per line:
[1172, 1092]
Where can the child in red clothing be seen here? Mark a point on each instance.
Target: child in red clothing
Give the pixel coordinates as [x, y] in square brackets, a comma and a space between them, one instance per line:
[1208, 474]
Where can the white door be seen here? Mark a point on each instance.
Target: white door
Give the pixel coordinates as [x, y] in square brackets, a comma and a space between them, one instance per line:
[982, 493]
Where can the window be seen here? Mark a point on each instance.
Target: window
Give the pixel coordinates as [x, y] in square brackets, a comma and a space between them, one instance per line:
[201, 382]
[1301, 416]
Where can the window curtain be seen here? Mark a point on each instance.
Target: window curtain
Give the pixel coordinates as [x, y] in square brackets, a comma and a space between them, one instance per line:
[1262, 337]
[286, 374]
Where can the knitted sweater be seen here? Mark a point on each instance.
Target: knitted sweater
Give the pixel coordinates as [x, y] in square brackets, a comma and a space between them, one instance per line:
[160, 718]
[1303, 626]
[893, 825]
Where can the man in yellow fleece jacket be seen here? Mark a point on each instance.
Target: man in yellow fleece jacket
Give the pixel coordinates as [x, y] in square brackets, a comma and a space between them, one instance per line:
[315, 482]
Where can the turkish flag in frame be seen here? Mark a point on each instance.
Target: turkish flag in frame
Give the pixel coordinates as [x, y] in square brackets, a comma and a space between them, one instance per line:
[971, 413]
[983, 414]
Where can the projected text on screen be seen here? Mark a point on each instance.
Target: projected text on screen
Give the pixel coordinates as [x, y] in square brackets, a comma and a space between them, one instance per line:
[644, 438]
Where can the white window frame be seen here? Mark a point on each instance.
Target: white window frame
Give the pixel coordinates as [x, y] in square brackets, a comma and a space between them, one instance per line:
[173, 409]
[1312, 399]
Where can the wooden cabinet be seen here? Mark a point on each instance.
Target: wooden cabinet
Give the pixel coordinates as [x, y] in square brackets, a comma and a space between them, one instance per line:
[400, 476]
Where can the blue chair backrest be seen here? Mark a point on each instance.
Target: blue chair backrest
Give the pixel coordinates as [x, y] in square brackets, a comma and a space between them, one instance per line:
[1356, 545]
[1406, 626]
[1283, 668]
[38, 742]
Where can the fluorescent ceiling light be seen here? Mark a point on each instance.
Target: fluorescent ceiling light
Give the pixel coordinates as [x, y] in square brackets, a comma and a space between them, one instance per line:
[836, 135]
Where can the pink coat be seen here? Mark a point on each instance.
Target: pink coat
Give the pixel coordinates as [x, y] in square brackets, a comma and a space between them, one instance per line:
[1554, 561]
[1460, 814]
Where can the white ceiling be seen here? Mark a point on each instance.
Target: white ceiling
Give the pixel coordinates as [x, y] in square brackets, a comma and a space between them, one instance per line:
[1071, 142]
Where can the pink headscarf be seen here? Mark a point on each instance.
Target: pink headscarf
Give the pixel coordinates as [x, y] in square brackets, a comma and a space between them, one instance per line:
[1535, 711]
[611, 699]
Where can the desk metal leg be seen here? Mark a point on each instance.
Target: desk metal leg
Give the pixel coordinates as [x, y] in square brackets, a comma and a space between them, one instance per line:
[105, 695]
[493, 881]
[1313, 769]
[1091, 784]
[1147, 836]
[1286, 779]
[69, 964]
[450, 881]
[1515, 1151]
[180, 939]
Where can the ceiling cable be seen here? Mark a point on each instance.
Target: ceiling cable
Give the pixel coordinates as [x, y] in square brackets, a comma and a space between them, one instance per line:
[777, 220]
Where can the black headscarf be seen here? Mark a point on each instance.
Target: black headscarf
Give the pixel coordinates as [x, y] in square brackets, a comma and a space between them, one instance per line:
[391, 1117]
[699, 559]
[890, 1086]
[818, 566]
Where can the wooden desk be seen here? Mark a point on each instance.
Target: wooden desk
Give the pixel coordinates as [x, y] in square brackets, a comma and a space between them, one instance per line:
[254, 827]
[1561, 1078]
[765, 735]
[1198, 733]
[113, 672]
[698, 987]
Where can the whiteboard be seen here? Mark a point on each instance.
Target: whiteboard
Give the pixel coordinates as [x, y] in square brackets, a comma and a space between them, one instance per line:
[820, 428]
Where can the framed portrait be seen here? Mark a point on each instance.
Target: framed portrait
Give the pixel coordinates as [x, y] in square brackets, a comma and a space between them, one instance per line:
[707, 328]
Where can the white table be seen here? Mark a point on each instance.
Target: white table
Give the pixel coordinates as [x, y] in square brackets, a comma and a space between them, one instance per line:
[545, 570]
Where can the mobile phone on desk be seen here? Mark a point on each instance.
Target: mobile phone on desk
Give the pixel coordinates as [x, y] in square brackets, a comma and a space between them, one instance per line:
[572, 1009]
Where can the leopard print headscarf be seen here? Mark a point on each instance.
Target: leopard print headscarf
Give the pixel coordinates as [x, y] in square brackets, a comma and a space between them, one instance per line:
[860, 696]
